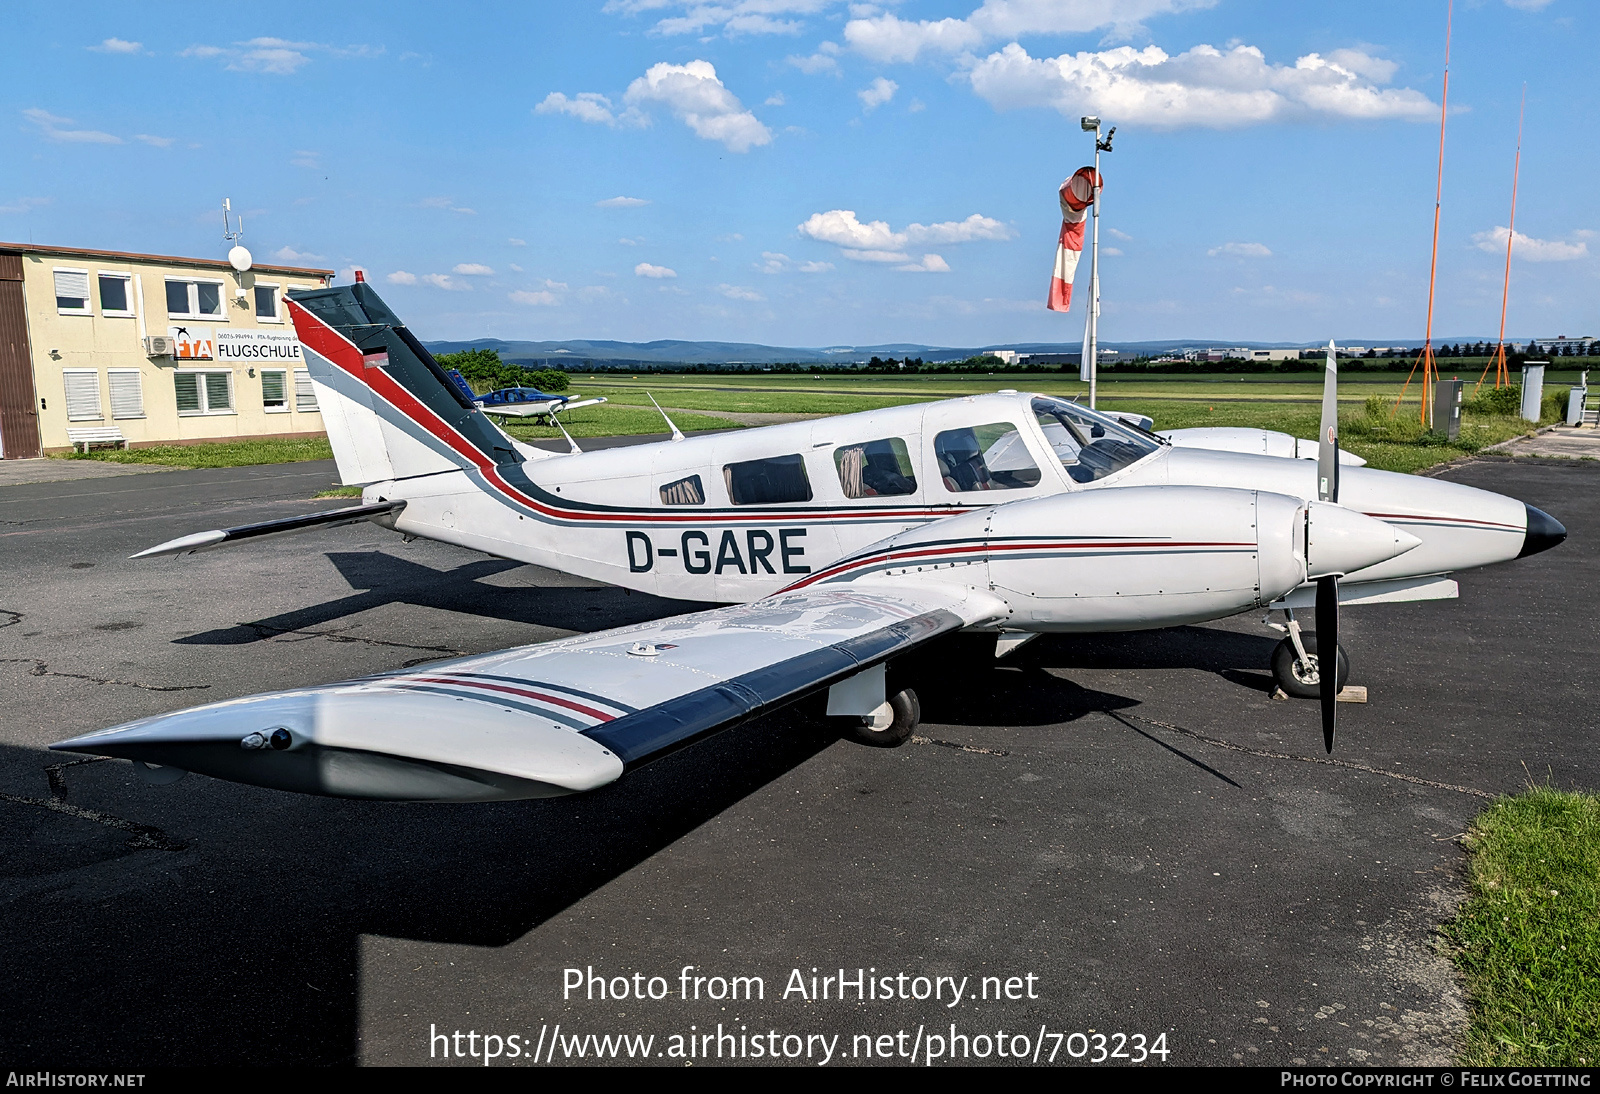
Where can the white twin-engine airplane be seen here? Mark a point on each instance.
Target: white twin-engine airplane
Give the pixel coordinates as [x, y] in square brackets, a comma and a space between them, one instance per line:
[840, 544]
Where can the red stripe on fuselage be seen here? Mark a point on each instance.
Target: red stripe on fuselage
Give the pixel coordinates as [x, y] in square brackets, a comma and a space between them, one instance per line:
[347, 356]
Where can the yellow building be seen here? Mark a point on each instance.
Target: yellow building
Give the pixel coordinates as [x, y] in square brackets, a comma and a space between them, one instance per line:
[147, 349]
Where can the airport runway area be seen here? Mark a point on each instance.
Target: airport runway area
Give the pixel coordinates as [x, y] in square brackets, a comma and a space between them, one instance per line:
[1130, 821]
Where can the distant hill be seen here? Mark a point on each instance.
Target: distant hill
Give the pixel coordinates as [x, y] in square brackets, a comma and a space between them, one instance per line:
[581, 354]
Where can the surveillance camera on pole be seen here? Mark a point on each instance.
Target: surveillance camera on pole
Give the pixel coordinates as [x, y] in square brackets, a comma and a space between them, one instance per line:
[1089, 365]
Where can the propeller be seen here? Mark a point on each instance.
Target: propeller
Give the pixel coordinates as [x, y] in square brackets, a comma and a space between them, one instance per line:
[1328, 587]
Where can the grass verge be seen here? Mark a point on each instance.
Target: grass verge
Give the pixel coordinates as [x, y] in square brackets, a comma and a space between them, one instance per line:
[611, 420]
[339, 492]
[1528, 938]
[216, 453]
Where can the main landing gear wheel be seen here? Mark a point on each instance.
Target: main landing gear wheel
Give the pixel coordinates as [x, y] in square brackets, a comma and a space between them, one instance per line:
[892, 724]
[1294, 679]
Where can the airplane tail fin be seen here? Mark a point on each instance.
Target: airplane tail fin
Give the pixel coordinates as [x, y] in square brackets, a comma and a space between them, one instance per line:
[390, 411]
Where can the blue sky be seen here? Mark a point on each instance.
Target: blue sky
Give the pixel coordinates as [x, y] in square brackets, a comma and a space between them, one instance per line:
[810, 172]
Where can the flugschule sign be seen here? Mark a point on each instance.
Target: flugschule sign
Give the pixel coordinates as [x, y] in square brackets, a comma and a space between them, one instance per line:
[244, 347]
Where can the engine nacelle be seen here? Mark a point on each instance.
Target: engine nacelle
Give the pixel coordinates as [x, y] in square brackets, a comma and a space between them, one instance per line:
[1139, 557]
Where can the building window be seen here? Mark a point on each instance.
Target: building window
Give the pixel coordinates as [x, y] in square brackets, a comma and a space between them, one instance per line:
[274, 390]
[114, 295]
[684, 492]
[72, 292]
[83, 394]
[267, 303]
[194, 299]
[204, 392]
[875, 469]
[305, 396]
[767, 482]
[127, 392]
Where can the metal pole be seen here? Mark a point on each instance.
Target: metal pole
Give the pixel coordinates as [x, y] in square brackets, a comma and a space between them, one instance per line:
[1093, 348]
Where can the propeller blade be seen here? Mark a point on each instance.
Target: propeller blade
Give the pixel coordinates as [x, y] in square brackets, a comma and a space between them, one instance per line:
[1328, 653]
[1328, 434]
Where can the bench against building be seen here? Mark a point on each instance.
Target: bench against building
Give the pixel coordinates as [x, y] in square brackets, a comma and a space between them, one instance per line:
[110, 347]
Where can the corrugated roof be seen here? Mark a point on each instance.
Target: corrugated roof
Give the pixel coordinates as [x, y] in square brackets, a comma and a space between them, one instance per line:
[213, 263]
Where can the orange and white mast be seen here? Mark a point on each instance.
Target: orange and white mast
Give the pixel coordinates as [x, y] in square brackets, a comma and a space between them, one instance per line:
[1502, 374]
[1430, 368]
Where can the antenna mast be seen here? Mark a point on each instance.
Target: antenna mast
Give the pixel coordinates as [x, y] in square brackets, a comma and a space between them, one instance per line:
[1430, 368]
[1502, 374]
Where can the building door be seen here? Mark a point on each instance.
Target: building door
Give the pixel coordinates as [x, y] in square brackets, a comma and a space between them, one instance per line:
[19, 408]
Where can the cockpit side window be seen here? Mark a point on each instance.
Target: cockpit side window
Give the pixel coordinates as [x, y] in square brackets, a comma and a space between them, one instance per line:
[985, 457]
[1090, 446]
[875, 469]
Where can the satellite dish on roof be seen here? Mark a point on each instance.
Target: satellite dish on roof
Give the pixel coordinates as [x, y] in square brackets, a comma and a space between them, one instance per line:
[239, 259]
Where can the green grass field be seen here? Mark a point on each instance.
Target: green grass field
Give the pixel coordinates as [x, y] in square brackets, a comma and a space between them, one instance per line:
[1286, 403]
[1528, 938]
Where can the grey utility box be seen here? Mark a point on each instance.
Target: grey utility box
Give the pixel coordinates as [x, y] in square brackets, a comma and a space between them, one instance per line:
[1447, 408]
[1575, 405]
[1532, 389]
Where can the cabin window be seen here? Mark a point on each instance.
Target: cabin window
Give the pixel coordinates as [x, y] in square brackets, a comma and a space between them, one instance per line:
[771, 481]
[687, 491]
[876, 469]
[985, 457]
[1090, 446]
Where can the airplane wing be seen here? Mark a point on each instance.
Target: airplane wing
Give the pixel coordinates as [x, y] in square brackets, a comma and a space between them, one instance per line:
[574, 405]
[554, 718]
[204, 541]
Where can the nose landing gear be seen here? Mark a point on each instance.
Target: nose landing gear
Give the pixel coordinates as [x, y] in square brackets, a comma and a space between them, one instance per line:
[1296, 664]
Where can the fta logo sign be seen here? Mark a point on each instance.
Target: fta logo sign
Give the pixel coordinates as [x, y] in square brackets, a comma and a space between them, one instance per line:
[193, 343]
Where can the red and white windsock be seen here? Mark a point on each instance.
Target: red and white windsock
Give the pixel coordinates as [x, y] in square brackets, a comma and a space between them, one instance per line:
[1077, 194]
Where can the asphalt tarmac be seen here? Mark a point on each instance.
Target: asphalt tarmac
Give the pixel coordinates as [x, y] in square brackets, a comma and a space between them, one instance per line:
[1131, 821]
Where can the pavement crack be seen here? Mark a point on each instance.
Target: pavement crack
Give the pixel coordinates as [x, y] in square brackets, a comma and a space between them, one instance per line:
[267, 630]
[919, 740]
[42, 668]
[8, 617]
[1268, 754]
[142, 837]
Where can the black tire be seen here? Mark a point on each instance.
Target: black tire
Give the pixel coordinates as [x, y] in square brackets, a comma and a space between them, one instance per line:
[907, 716]
[1285, 668]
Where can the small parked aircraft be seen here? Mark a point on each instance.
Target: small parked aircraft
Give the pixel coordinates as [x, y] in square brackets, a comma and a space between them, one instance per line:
[839, 544]
[519, 402]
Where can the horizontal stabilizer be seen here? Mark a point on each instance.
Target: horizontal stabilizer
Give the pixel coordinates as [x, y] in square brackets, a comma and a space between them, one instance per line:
[204, 541]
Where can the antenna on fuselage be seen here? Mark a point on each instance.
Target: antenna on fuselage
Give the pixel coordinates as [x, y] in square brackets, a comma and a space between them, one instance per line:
[677, 434]
[572, 445]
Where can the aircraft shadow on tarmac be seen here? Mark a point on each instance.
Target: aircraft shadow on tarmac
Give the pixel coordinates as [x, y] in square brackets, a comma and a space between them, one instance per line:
[246, 945]
[381, 579]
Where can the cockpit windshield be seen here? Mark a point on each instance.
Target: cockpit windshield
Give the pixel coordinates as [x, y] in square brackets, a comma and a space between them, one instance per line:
[1089, 445]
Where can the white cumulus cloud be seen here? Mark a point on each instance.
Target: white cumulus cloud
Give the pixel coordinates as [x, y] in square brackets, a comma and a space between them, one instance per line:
[887, 37]
[1241, 250]
[739, 292]
[401, 277]
[289, 254]
[541, 298]
[117, 45]
[929, 264]
[702, 102]
[1526, 247]
[621, 203]
[473, 269]
[1204, 86]
[645, 269]
[275, 56]
[22, 205]
[877, 93]
[732, 17]
[54, 128]
[586, 106]
[842, 228]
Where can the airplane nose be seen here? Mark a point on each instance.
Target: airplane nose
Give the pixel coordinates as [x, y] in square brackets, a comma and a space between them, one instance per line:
[1544, 532]
[1342, 541]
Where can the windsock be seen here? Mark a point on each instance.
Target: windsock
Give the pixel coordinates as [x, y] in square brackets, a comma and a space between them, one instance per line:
[1077, 194]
